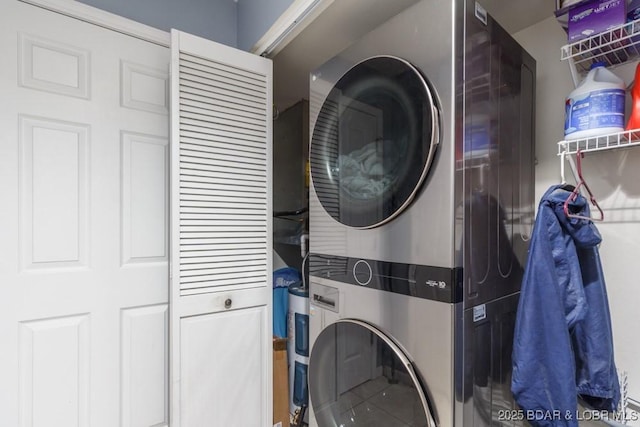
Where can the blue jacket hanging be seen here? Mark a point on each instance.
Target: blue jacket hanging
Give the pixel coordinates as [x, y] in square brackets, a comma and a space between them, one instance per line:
[563, 345]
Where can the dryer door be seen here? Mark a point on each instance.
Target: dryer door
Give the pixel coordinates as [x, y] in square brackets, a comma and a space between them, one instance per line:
[373, 141]
[358, 376]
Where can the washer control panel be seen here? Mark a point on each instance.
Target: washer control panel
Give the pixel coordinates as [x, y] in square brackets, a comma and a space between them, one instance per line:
[362, 272]
[422, 281]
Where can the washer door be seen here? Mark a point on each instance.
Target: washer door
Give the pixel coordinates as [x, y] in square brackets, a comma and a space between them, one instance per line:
[359, 377]
[374, 141]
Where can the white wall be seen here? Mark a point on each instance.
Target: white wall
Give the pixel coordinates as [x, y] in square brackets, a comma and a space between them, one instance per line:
[614, 178]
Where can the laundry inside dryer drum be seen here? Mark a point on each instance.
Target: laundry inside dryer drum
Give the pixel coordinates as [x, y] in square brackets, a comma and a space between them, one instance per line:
[373, 142]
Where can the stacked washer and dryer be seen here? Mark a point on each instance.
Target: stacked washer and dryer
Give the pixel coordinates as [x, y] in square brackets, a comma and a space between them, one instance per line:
[421, 209]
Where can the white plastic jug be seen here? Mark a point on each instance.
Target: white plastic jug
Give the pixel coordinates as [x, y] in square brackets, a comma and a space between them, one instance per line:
[596, 106]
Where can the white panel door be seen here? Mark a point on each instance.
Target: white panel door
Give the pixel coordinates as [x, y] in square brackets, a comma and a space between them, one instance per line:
[221, 326]
[84, 158]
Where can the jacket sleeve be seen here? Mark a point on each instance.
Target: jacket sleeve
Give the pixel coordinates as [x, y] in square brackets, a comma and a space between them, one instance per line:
[596, 376]
[543, 381]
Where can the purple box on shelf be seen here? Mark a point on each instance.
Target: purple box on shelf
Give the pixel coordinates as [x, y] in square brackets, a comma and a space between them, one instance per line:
[597, 16]
[633, 10]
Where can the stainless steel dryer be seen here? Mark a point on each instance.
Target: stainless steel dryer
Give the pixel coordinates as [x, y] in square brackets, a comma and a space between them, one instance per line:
[421, 208]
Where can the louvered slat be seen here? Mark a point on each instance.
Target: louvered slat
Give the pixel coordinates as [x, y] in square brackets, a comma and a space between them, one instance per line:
[236, 117]
[208, 104]
[205, 157]
[221, 99]
[223, 173]
[199, 138]
[190, 182]
[227, 279]
[221, 133]
[218, 91]
[194, 165]
[188, 175]
[212, 256]
[221, 267]
[231, 70]
[220, 244]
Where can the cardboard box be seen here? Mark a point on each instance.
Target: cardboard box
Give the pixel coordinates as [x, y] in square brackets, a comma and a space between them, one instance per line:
[280, 383]
[594, 17]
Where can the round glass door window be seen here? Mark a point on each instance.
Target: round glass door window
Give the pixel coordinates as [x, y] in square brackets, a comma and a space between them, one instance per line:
[360, 377]
[373, 142]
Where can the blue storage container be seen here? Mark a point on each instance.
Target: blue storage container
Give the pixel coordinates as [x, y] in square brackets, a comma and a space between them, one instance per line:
[282, 279]
[302, 334]
[300, 387]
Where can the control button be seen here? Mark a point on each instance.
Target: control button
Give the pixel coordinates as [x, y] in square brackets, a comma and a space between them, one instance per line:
[362, 272]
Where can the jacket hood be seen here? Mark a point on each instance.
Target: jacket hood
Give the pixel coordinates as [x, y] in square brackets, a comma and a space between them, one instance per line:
[583, 232]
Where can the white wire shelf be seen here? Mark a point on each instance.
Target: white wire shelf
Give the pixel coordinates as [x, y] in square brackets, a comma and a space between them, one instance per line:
[614, 47]
[626, 139]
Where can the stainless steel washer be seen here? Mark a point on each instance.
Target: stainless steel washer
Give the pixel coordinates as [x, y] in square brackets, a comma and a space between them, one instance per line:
[421, 208]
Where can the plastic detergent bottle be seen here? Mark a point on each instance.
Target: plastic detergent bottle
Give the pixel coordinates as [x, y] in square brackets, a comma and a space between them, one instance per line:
[634, 117]
[596, 106]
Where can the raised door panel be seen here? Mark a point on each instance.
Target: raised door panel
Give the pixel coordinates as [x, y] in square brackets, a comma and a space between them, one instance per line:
[54, 169]
[145, 366]
[54, 66]
[145, 164]
[55, 371]
[226, 348]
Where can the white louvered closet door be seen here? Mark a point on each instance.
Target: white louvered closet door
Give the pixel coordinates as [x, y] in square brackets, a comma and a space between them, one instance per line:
[221, 235]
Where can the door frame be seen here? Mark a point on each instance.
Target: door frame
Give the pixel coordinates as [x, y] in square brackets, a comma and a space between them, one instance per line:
[104, 19]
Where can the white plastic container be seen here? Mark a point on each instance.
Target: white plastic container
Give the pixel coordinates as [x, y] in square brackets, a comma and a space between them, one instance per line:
[596, 106]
